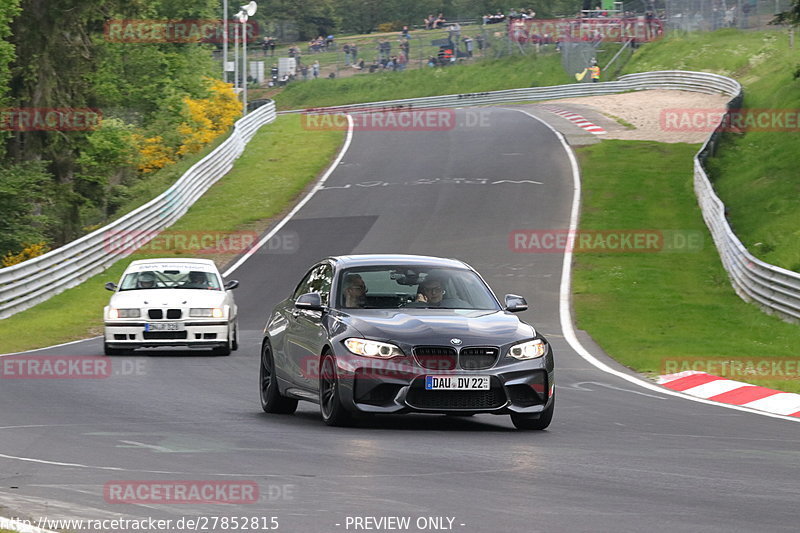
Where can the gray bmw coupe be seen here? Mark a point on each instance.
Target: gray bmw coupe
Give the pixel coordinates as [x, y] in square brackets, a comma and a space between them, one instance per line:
[365, 334]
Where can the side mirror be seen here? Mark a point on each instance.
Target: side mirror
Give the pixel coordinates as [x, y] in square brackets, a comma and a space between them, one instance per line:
[111, 286]
[515, 304]
[310, 301]
[230, 285]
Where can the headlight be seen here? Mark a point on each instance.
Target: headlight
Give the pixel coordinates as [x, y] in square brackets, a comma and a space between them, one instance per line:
[370, 348]
[124, 313]
[207, 312]
[528, 350]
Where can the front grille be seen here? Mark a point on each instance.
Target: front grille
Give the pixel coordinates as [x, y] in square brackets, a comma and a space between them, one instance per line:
[155, 314]
[455, 399]
[173, 313]
[477, 358]
[164, 335]
[436, 357]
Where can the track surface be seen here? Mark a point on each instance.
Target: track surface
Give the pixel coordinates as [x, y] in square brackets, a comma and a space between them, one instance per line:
[616, 458]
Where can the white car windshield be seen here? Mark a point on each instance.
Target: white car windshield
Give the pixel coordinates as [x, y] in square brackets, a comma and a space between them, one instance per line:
[390, 287]
[170, 279]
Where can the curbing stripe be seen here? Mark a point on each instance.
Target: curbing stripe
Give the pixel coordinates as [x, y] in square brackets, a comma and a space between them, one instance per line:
[738, 393]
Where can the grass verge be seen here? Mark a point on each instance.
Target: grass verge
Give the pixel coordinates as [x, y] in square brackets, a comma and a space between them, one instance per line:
[648, 309]
[487, 75]
[754, 173]
[278, 164]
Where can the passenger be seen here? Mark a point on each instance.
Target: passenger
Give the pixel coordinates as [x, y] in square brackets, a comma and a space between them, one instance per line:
[355, 291]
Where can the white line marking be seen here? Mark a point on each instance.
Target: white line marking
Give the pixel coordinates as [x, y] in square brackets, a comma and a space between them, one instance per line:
[300, 205]
[53, 346]
[565, 311]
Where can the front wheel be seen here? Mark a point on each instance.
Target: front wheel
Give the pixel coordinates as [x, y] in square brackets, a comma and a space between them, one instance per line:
[330, 404]
[271, 399]
[114, 351]
[539, 423]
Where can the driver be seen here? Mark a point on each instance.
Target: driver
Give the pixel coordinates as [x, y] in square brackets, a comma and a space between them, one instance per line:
[431, 291]
[197, 280]
[147, 280]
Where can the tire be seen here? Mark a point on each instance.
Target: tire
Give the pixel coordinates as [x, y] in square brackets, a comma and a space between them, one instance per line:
[114, 351]
[330, 404]
[235, 343]
[541, 422]
[224, 350]
[271, 399]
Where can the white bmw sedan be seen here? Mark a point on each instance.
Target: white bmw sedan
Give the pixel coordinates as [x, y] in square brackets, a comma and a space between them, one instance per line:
[171, 302]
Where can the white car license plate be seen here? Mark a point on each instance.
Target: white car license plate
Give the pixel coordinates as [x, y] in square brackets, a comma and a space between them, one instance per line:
[457, 382]
[164, 326]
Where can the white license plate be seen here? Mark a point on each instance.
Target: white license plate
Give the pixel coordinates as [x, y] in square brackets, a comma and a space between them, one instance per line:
[164, 326]
[457, 382]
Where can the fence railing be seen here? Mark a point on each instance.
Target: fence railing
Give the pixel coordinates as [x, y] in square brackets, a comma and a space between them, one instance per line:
[775, 289]
[33, 281]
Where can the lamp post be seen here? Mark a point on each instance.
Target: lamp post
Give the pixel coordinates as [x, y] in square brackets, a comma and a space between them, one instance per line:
[244, 13]
[225, 40]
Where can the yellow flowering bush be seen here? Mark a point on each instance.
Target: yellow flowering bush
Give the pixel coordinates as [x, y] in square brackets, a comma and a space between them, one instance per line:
[28, 252]
[208, 118]
[153, 153]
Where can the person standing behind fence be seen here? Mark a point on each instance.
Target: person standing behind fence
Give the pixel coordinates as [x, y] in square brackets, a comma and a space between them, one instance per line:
[315, 69]
[346, 50]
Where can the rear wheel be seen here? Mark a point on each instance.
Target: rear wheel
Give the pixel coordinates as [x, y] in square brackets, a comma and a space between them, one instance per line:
[330, 404]
[271, 399]
[541, 422]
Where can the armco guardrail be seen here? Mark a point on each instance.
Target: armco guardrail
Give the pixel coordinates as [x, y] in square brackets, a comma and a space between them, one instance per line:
[775, 289]
[26, 284]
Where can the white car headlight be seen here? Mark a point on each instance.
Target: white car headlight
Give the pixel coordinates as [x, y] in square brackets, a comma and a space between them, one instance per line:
[124, 313]
[369, 348]
[528, 350]
[207, 312]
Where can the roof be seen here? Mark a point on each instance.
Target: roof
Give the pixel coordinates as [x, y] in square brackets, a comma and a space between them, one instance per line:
[182, 260]
[347, 261]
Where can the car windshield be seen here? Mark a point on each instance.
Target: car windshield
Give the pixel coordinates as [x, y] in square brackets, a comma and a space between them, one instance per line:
[392, 287]
[178, 278]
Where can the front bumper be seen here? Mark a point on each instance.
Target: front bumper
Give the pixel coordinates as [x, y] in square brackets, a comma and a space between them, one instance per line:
[194, 333]
[518, 387]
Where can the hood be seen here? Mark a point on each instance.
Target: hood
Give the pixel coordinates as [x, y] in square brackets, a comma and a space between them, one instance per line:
[167, 298]
[438, 326]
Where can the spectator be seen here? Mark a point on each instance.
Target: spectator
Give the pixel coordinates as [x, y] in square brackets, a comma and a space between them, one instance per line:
[304, 71]
[439, 22]
[315, 69]
[354, 52]
[405, 34]
[346, 50]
